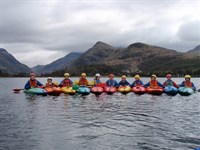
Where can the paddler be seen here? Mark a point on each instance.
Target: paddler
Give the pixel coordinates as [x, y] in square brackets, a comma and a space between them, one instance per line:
[188, 83]
[111, 81]
[96, 80]
[32, 82]
[49, 83]
[137, 81]
[123, 81]
[83, 81]
[66, 82]
[153, 82]
[169, 81]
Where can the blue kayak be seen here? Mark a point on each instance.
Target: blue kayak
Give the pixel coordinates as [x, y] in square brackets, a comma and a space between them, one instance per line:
[184, 91]
[171, 90]
[83, 90]
[36, 91]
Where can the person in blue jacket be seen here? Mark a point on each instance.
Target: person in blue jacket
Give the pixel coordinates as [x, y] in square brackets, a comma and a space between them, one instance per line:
[32, 82]
[124, 82]
[137, 81]
[188, 83]
[153, 82]
[111, 81]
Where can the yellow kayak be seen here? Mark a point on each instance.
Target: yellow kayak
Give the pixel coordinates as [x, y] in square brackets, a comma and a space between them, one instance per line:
[124, 89]
[68, 90]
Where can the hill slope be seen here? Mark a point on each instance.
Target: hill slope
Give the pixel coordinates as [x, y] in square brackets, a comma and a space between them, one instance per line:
[9, 64]
[57, 64]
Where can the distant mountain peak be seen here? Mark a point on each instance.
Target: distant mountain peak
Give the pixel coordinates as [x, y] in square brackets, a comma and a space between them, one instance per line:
[100, 44]
[2, 50]
[194, 50]
[138, 45]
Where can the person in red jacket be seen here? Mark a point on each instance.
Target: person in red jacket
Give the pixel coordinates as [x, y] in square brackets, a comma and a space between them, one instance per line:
[32, 82]
[153, 82]
[188, 83]
[49, 83]
[66, 82]
[169, 81]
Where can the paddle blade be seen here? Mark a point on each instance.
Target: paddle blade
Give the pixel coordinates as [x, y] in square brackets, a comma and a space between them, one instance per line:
[17, 90]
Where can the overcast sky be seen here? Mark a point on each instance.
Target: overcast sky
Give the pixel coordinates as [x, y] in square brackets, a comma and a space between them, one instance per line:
[40, 31]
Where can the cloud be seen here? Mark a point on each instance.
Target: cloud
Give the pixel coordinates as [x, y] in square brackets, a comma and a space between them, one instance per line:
[51, 29]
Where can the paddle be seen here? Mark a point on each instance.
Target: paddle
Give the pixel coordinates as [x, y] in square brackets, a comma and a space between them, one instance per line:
[17, 90]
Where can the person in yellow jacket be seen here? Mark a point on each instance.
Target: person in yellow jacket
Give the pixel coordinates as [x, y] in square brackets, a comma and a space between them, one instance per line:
[82, 81]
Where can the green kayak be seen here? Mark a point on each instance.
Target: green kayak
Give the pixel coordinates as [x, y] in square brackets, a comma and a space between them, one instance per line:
[36, 91]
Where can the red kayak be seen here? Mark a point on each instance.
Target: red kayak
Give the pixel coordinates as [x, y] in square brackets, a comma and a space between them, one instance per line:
[96, 90]
[53, 91]
[155, 91]
[139, 89]
[110, 89]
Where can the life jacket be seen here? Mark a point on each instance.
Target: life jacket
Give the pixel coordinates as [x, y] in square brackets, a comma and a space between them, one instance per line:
[169, 83]
[33, 83]
[188, 84]
[66, 83]
[96, 81]
[83, 81]
[153, 83]
[111, 83]
[137, 83]
[48, 85]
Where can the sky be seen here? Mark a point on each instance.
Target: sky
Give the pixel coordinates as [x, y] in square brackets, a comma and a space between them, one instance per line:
[41, 31]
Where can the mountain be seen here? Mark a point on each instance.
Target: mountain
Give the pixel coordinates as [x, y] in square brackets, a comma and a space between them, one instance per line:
[135, 57]
[58, 64]
[195, 50]
[10, 65]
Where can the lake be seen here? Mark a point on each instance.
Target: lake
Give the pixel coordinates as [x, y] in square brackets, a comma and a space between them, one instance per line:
[104, 122]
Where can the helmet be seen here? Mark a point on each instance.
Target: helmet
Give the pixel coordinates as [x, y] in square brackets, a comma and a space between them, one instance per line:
[137, 76]
[123, 76]
[111, 75]
[168, 75]
[49, 78]
[187, 76]
[97, 75]
[83, 74]
[66, 74]
[153, 75]
[32, 74]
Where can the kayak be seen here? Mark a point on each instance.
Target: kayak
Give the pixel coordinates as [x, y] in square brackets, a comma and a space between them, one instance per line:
[184, 91]
[96, 90]
[68, 90]
[171, 90]
[53, 91]
[83, 90]
[139, 89]
[154, 91]
[110, 89]
[124, 89]
[36, 91]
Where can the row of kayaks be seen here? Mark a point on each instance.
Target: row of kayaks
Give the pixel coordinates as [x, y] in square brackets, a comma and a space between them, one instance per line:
[84, 90]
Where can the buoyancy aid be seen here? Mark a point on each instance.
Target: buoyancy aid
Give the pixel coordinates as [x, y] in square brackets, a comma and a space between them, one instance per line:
[96, 81]
[188, 84]
[33, 83]
[83, 81]
[50, 85]
[111, 82]
[137, 83]
[169, 83]
[153, 83]
[66, 83]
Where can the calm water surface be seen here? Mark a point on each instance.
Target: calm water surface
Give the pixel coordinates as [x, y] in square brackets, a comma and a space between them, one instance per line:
[106, 122]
